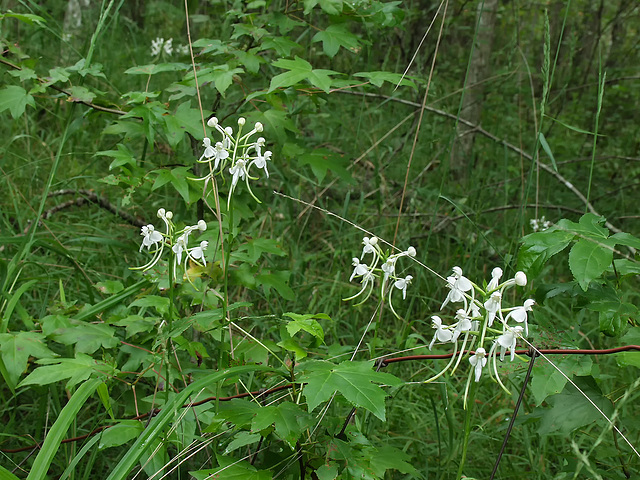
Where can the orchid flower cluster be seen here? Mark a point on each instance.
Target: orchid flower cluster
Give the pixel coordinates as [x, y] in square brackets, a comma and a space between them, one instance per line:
[238, 152]
[381, 265]
[177, 240]
[482, 318]
[161, 45]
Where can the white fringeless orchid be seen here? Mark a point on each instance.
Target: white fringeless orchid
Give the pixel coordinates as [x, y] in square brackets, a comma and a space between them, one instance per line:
[368, 272]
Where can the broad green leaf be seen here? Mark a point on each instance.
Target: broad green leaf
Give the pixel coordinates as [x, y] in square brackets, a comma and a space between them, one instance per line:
[221, 76]
[109, 287]
[232, 469]
[15, 99]
[627, 267]
[356, 381]
[120, 433]
[289, 419]
[278, 280]
[570, 410]
[332, 7]
[588, 259]
[76, 369]
[242, 439]
[299, 70]
[390, 458]
[539, 247]
[131, 130]
[613, 312]
[336, 36]
[50, 447]
[16, 348]
[327, 472]
[282, 45]
[589, 225]
[239, 412]
[80, 94]
[321, 159]
[6, 474]
[154, 69]
[122, 156]
[161, 304]
[306, 323]
[378, 78]
[277, 122]
[547, 380]
[626, 239]
[88, 337]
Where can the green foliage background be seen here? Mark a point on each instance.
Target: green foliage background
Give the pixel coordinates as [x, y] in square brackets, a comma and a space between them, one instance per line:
[99, 134]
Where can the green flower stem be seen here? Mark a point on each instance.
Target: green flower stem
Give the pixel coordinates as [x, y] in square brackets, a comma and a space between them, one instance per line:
[468, 412]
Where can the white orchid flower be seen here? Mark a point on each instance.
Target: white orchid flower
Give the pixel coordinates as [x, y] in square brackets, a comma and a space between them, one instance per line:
[458, 285]
[197, 253]
[478, 362]
[463, 325]
[369, 246]
[442, 334]
[508, 341]
[151, 237]
[493, 306]
[496, 274]
[519, 314]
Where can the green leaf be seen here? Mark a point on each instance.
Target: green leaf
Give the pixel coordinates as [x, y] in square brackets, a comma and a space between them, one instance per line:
[290, 421]
[50, 447]
[122, 156]
[278, 281]
[221, 76]
[356, 381]
[6, 474]
[332, 7]
[103, 394]
[161, 304]
[378, 78]
[336, 36]
[232, 469]
[80, 94]
[120, 433]
[306, 323]
[539, 247]
[321, 159]
[15, 99]
[299, 70]
[28, 18]
[282, 45]
[88, 337]
[632, 358]
[547, 380]
[626, 239]
[156, 428]
[570, 410]
[76, 369]
[109, 286]
[242, 439]
[589, 259]
[16, 348]
[277, 122]
[589, 225]
[547, 149]
[155, 69]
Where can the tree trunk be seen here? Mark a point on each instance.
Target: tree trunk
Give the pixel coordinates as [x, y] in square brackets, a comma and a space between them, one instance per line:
[461, 158]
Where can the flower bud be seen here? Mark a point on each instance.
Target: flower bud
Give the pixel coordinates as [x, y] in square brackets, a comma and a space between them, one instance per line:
[241, 121]
[161, 212]
[521, 279]
[259, 127]
[213, 121]
[169, 215]
[202, 225]
[373, 240]
[411, 252]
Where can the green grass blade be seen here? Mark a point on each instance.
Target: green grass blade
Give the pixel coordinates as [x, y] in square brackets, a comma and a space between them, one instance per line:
[6, 474]
[156, 429]
[110, 302]
[54, 438]
[12, 304]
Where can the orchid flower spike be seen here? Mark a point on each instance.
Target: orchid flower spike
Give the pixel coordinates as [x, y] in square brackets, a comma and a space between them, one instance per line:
[519, 314]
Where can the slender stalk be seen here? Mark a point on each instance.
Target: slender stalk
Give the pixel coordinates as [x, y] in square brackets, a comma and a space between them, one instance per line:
[468, 412]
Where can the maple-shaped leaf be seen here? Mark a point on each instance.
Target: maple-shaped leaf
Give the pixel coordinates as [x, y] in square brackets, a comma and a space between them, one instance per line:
[336, 36]
[355, 381]
[289, 419]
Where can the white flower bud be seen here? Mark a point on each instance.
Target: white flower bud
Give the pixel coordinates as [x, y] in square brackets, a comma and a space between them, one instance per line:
[259, 127]
[521, 279]
[202, 225]
[213, 121]
[241, 121]
[373, 240]
[411, 252]
[169, 215]
[161, 212]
